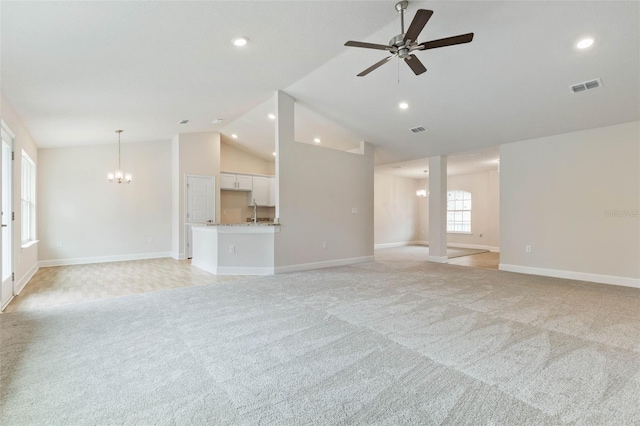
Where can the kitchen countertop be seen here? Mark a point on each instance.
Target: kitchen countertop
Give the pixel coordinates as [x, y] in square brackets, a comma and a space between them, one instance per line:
[239, 224]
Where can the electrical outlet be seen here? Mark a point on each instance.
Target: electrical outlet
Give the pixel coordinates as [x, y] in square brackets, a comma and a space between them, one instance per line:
[232, 249]
[324, 245]
[59, 244]
[150, 240]
[354, 210]
[527, 249]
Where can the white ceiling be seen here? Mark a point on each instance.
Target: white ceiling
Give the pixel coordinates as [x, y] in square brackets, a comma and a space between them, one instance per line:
[76, 71]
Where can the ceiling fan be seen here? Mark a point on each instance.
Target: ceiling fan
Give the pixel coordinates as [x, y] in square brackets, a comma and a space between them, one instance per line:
[404, 43]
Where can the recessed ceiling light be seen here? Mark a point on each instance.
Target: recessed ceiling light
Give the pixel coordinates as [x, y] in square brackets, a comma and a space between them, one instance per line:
[234, 136]
[240, 41]
[584, 43]
[274, 153]
[317, 140]
[183, 121]
[271, 117]
[403, 105]
[217, 120]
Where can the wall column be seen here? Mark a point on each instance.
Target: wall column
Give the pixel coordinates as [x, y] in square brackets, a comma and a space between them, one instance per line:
[438, 209]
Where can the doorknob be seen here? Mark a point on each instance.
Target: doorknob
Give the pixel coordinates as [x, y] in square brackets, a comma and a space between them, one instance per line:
[4, 226]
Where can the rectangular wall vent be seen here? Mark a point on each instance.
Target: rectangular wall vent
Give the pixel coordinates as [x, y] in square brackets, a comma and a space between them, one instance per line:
[587, 85]
[418, 129]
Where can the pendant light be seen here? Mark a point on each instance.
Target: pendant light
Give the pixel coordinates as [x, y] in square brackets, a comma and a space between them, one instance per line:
[423, 192]
[119, 176]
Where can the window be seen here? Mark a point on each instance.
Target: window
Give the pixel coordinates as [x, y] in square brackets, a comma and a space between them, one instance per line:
[459, 211]
[28, 199]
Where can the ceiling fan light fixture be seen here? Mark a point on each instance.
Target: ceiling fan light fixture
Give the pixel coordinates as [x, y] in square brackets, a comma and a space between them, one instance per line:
[240, 41]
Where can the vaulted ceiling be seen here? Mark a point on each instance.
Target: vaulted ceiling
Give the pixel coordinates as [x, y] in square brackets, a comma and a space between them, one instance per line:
[76, 71]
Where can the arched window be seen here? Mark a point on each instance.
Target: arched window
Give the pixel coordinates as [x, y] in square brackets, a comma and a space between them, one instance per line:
[458, 211]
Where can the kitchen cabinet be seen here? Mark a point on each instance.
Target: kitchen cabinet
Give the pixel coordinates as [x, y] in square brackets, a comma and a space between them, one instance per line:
[260, 191]
[264, 191]
[235, 182]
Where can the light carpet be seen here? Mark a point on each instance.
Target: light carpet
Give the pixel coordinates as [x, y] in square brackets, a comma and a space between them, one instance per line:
[394, 341]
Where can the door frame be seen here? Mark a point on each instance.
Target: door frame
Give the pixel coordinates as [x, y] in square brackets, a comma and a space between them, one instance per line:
[10, 220]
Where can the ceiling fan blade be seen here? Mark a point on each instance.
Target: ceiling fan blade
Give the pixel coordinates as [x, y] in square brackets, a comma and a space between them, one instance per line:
[418, 23]
[449, 41]
[374, 66]
[414, 63]
[367, 45]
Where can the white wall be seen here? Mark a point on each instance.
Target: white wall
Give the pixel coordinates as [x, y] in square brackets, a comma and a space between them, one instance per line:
[94, 220]
[485, 206]
[25, 261]
[318, 188]
[555, 195]
[198, 154]
[233, 159]
[396, 202]
[396, 209]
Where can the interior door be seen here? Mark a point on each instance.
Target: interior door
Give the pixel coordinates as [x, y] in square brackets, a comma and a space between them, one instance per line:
[200, 205]
[6, 290]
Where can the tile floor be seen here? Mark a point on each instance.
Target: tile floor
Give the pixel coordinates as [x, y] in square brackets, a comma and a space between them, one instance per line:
[61, 285]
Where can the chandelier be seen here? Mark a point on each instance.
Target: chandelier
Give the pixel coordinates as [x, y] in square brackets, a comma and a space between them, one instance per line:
[119, 176]
[423, 192]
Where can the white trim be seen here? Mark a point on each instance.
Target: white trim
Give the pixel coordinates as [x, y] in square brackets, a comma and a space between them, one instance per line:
[29, 243]
[324, 264]
[22, 282]
[231, 270]
[391, 245]
[474, 246]
[572, 275]
[438, 259]
[7, 304]
[103, 259]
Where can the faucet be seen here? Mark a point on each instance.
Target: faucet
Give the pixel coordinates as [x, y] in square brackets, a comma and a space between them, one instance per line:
[255, 211]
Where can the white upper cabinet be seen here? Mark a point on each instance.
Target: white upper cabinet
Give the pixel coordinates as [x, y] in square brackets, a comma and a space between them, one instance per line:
[260, 191]
[235, 182]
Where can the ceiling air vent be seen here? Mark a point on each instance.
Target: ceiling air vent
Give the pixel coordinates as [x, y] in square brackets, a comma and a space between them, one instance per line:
[418, 129]
[587, 85]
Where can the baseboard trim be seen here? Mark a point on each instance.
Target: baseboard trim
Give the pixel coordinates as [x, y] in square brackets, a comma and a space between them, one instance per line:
[22, 282]
[572, 275]
[474, 246]
[438, 259]
[325, 264]
[102, 259]
[391, 245]
[6, 304]
[231, 270]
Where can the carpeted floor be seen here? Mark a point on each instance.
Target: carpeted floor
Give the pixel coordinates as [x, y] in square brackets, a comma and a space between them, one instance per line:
[396, 341]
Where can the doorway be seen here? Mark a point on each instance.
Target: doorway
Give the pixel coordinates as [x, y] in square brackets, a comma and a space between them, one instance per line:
[6, 289]
[200, 202]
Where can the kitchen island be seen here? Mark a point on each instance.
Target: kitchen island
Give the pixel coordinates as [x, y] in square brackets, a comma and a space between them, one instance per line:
[235, 249]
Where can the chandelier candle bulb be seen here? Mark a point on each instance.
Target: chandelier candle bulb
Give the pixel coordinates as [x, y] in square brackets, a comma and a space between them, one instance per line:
[119, 176]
